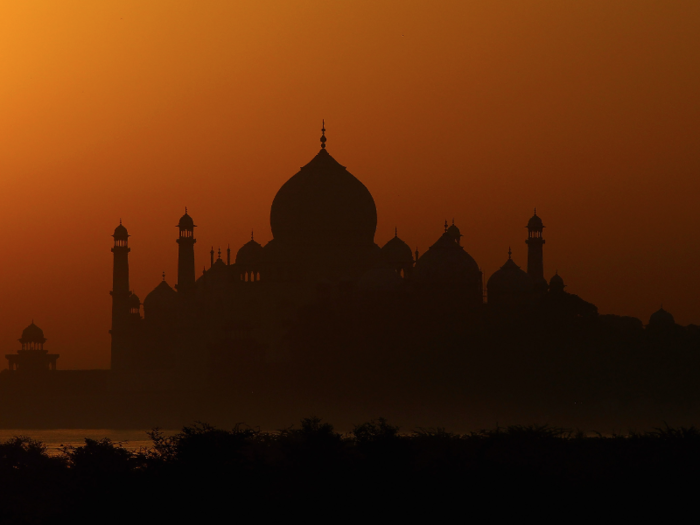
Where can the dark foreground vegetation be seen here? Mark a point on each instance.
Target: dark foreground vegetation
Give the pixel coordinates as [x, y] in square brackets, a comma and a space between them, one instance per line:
[315, 474]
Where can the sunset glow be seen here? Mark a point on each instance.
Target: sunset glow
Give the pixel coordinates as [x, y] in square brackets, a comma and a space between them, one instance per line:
[477, 111]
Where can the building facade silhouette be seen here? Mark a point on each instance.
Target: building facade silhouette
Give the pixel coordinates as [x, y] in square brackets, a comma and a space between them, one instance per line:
[323, 222]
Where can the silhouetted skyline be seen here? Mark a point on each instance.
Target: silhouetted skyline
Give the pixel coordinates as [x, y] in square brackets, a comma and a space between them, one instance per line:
[473, 112]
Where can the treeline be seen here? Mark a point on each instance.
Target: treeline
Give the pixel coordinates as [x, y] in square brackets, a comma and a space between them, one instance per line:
[314, 473]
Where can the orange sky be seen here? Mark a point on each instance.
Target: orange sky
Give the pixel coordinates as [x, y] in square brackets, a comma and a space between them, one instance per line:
[475, 110]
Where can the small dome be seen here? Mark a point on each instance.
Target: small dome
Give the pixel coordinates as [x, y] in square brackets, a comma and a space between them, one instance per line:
[661, 318]
[446, 262]
[120, 232]
[186, 222]
[535, 223]
[249, 255]
[134, 301]
[454, 233]
[396, 252]
[162, 296]
[556, 283]
[32, 334]
[510, 278]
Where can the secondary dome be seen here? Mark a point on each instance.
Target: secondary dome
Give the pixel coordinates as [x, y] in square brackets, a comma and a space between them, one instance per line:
[162, 298]
[510, 278]
[396, 252]
[661, 318]
[323, 203]
[249, 255]
[556, 283]
[446, 263]
[32, 334]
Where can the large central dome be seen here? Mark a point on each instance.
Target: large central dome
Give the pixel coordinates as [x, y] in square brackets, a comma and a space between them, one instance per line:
[323, 203]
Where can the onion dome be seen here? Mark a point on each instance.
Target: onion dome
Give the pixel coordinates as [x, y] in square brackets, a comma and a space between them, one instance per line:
[120, 232]
[323, 203]
[249, 255]
[510, 279]
[535, 223]
[163, 297]
[446, 262]
[556, 283]
[33, 334]
[396, 252]
[661, 318]
[186, 222]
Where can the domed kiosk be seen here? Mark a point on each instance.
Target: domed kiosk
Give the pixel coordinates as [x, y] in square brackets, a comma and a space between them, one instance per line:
[32, 357]
[323, 222]
[510, 286]
[448, 271]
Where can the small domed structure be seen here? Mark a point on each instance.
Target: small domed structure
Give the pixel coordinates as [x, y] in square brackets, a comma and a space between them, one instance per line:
[120, 232]
[556, 284]
[248, 260]
[161, 302]
[186, 222]
[661, 318]
[398, 255]
[510, 286]
[447, 266]
[32, 336]
[535, 223]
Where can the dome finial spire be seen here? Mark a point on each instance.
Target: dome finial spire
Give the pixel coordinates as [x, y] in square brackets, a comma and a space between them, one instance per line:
[535, 211]
[323, 134]
[509, 252]
[163, 276]
[251, 235]
[396, 231]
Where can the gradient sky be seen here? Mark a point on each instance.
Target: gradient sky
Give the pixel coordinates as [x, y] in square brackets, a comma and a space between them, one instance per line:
[475, 110]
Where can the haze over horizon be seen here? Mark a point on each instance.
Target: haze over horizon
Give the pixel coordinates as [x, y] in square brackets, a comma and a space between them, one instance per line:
[476, 111]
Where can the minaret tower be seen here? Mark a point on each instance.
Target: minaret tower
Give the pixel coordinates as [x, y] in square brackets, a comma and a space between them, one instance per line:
[120, 296]
[185, 261]
[535, 263]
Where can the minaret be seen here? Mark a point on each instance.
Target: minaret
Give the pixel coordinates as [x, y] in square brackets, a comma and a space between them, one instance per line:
[120, 296]
[535, 263]
[185, 261]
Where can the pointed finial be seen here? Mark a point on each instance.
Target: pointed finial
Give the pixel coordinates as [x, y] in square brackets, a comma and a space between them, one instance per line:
[453, 221]
[509, 252]
[445, 224]
[323, 134]
[535, 212]
[185, 210]
[251, 235]
[396, 231]
[164, 276]
[219, 252]
[120, 221]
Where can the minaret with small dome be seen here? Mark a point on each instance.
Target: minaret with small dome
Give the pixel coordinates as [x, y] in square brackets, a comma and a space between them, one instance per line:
[120, 297]
[185, 260]
[535, 261]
